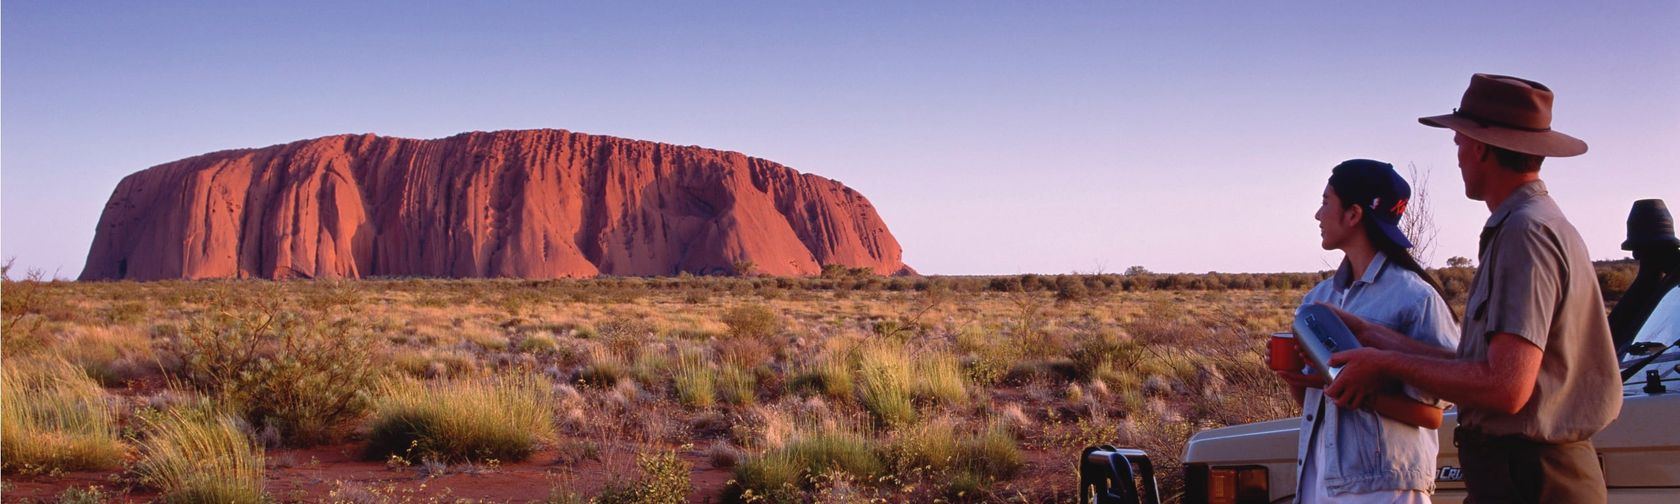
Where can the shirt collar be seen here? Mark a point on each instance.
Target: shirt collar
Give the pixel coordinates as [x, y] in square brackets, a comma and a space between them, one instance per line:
[1524, 193]
[1344, 273]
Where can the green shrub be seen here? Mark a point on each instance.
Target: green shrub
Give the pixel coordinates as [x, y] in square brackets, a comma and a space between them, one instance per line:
[306, 378]
[664, 478]
[196, 455]
[752, 321]
[55, 419]
[503, 418]
[90, 494]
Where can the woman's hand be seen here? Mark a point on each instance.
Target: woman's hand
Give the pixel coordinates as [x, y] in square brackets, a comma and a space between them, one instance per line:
[1295, 379]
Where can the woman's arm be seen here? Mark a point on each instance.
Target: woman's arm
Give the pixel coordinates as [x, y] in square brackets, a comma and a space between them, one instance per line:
[1406, 410]
[1298, 384]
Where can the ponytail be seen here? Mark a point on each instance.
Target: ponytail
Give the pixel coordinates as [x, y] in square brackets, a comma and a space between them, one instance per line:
[1399, 255]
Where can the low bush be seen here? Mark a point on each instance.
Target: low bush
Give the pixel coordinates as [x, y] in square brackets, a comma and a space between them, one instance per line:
[752, 321]
[664, 478]
[55, 418]
[305, 378]
[196, 455]
[504, 418]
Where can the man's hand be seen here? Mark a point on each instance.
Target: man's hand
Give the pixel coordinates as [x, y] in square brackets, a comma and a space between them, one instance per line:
[1360, 379]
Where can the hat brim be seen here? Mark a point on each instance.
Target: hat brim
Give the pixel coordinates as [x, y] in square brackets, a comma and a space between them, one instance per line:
[1394, 234]
[1540, 143]
[1630, 245]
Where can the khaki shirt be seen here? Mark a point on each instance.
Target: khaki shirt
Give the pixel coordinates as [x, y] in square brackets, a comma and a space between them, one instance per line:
[1536, 281]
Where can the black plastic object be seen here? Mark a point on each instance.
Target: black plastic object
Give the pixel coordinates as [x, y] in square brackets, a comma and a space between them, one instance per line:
[1321, 334]
[1109, 475]
[1653, 383]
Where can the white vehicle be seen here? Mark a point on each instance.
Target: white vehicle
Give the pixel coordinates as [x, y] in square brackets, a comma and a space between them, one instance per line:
[1255, 463]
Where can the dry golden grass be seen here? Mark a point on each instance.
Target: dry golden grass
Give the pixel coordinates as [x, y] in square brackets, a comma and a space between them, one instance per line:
[55, 419]
[905, 373]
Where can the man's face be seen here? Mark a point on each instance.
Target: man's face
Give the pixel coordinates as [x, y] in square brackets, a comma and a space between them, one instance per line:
[1335, 223]
[1471, 165]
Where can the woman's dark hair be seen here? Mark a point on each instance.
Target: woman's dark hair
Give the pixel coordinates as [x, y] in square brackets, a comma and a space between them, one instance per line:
[1395, 253]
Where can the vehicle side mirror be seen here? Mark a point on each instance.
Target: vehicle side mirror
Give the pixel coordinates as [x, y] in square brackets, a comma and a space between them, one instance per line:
[1646, 348]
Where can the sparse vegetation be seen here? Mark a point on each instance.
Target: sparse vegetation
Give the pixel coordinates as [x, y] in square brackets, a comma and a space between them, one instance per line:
[502, 418]
[278, 369]
[843, 386]
[198, 455]
[55, 418]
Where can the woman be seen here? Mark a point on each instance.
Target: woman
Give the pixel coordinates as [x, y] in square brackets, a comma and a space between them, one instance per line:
[1386, 454]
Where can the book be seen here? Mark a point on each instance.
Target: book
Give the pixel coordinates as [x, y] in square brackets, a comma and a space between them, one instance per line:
[1321, 334]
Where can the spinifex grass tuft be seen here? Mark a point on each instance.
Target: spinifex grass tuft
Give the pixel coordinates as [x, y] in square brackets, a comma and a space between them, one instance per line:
[939, 377]
[196, 455]
[779, 473]
[694, 381]
[55, 419]
[503, 418]
[884, 383]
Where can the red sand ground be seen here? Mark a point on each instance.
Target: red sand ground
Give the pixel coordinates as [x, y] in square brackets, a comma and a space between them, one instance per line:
[312, 475]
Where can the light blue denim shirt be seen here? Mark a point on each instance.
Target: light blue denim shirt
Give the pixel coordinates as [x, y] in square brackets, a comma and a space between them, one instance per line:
[1360, 451]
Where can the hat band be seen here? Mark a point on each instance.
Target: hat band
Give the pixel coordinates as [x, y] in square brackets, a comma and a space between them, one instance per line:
[1485, 122]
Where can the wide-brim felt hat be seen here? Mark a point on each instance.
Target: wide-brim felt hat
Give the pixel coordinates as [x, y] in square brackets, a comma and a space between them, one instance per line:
[1650, 225]
[1511, 113]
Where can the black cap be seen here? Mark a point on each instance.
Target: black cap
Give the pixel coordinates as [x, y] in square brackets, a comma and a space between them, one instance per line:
[1376, 187]
[1649, 225]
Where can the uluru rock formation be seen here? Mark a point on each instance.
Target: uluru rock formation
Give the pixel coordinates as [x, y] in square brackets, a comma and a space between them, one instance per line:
[525, 204]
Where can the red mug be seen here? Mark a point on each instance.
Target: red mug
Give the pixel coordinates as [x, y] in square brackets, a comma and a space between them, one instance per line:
[1283, 354]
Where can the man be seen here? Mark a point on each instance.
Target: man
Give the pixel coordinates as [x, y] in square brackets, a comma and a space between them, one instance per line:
[1650, 236]
[1534, 376]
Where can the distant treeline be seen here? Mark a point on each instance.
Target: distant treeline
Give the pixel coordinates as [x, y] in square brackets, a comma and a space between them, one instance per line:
[1614, 277]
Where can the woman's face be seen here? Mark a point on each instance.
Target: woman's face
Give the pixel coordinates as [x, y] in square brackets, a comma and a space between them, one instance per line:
[1335, 223]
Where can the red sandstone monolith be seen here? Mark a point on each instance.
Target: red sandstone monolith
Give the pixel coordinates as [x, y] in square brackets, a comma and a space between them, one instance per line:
[524, 204]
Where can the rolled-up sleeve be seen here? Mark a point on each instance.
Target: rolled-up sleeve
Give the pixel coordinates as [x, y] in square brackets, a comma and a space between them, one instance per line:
[1432, 323]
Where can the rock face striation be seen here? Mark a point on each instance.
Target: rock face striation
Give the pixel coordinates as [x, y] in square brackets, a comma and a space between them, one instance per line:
[524, 204]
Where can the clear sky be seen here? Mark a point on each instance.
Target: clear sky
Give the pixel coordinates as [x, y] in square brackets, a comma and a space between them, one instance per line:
[993, 137]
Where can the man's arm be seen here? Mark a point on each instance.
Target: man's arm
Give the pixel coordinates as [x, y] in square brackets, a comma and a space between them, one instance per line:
[1504, 382]
[1406, 410]
[1377, 336]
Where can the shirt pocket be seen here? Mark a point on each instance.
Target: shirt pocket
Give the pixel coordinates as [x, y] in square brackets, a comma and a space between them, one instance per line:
[1475, 309]
[1359, 437]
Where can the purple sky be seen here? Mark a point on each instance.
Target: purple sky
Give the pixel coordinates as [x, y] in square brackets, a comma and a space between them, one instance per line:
[994, 138]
